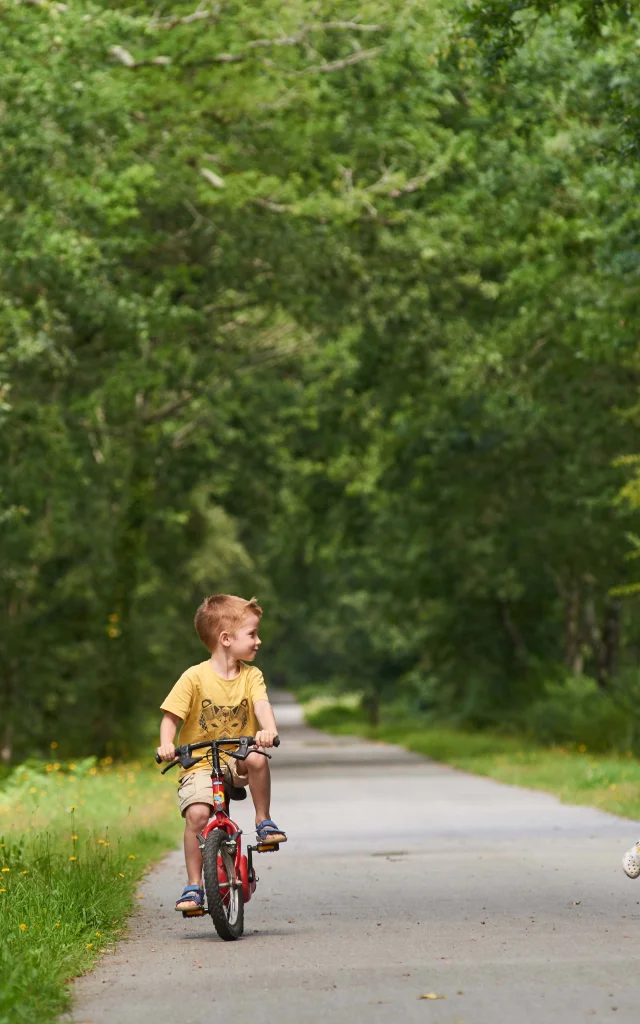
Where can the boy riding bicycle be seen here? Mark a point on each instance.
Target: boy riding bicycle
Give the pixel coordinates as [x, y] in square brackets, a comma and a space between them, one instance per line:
[220, 698]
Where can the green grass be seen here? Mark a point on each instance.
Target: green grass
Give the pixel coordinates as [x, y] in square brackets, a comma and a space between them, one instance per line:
[75, 841]
[609, 782]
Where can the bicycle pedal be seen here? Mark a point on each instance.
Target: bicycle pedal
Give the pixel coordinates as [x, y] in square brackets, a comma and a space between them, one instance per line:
[268, 847]
[194, 913]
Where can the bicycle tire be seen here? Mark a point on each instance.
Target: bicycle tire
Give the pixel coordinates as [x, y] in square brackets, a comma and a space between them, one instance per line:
[228, 920]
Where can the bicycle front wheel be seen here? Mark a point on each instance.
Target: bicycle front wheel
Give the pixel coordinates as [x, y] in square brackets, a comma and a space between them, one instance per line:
[225, 901]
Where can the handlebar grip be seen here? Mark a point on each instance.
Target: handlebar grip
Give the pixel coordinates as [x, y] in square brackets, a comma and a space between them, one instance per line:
[276, 742]
[158, 758]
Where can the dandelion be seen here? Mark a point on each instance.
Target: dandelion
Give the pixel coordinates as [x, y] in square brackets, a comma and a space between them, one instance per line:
[23, 927]
[3, 890]
[74, 837]
[53, 745]
[72, 767]
[582, 748]
[139, 895]
[132, 856]
[121, 873]
[6, 869]
[56, 766]
[101, 841]
[33, 789]
[72, 858]
[93, 771]
[73, 807]
[25, 872]
[89, 945]
[106, 843]
[97, 935]
[57, 924]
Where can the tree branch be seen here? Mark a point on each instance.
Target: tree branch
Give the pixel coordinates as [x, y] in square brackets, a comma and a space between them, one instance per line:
[338, 65]
[200, 14]
[129, 60]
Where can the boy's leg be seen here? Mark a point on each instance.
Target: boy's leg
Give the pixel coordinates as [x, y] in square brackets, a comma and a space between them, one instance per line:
[260, 785]
[196, 817]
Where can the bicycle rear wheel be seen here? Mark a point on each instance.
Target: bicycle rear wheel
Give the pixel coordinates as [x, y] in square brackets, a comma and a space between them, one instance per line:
[225, 901]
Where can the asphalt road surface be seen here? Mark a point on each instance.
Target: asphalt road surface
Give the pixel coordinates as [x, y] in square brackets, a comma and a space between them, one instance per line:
[401, 878]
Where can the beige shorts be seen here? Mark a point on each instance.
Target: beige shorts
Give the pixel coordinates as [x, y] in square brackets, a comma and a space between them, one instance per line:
[195, 787]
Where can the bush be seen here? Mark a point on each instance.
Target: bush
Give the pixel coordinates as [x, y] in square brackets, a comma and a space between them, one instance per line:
[577, 711]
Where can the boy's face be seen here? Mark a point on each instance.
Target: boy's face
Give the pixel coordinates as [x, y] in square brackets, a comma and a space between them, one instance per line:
[245, 643]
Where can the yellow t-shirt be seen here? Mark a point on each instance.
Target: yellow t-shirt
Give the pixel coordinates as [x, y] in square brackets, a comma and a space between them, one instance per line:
[213, 708]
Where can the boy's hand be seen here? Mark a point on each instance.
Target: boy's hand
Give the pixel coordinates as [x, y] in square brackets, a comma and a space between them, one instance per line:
[167, 752]
[265, 737]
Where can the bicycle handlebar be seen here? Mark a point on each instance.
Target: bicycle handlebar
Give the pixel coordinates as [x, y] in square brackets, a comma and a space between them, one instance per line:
[183, 752]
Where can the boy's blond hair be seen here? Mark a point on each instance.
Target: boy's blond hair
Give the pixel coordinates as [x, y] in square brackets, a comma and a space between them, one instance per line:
[222, 613]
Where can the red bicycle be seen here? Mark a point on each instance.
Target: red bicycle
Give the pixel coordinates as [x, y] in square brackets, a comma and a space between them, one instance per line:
[229, 875]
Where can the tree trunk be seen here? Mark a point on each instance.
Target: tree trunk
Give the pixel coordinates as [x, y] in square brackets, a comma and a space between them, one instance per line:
[371, 706]
[611, 636]
[514, 634]
[573, 656]
[595, 641]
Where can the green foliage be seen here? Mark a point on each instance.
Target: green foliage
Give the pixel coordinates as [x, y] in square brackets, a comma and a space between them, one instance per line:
[303, 302]
[71, 853]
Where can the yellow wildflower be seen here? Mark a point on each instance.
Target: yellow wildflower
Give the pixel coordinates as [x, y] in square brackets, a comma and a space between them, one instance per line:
[54, 745]
[57, 924]
[121, 873]
[3, 890]
[132, 856]
[33, 789]
[56, 766]
[98, 935]
[23, 927]
[74, 837]
[6, 869]
[72, 858]
[72, 767]
[101, 841]
[25, 872]
[139, 895]
[89, 945]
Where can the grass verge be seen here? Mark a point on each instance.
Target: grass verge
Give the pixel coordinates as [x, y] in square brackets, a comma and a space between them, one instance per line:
[75, 841]
[608, 782]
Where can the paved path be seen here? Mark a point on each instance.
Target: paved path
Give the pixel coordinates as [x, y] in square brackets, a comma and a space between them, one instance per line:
[401, 878]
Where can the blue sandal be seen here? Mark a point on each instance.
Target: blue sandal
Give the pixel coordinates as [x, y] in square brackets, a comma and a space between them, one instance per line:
[268, 832]
[191, 894]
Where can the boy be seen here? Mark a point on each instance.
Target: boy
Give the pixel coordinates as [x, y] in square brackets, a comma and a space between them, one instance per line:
[219, 698]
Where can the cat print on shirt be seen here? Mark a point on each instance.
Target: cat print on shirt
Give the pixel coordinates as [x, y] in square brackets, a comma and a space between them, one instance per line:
[225, 720]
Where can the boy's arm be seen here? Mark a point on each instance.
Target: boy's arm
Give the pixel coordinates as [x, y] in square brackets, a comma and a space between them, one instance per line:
[268, 728]
[168, 728]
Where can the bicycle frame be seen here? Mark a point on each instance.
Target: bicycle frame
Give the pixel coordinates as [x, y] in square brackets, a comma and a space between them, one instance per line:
[243, 865]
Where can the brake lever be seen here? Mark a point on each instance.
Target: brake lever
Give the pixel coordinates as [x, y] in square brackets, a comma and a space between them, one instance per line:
[243, 757]
[185, 761]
